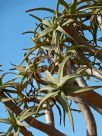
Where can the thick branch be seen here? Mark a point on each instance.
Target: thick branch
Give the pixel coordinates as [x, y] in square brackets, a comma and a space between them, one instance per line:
[88, 116]
[95, 72]
[25, 132]
[49, 116]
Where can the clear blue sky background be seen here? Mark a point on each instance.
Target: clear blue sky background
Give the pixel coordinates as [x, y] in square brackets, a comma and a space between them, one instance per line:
[14, 21]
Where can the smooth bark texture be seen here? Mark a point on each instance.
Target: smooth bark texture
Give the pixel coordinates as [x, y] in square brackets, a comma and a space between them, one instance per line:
[84, 108]
[49, 116]
[94, 100]
[95, 72]
[88, 116]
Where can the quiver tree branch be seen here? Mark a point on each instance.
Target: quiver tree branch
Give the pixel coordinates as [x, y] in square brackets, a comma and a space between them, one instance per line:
[50, 130]
[49, 115]
[84, 108]
[95, 72]
[88, 116]
[25, 132]
[94, 100]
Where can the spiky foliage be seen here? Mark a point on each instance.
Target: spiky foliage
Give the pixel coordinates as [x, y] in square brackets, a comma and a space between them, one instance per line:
[62, 54]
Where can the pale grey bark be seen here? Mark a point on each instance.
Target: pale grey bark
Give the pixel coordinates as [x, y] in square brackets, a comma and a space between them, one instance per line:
[95, 72]
[88, 116]
[49, 116]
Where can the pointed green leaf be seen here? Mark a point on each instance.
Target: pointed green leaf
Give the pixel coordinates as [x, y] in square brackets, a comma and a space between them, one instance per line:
[60, 113]
[28, 32]
[61, 68]
[50, 78]
[64, 103]
[66, 78]
[45, 98]
[91, 7]
[46, 23]
[25, 114]
[68, 22]
[81, 70]
[39, 19]
[45, 32]
[3, 99]
[5, 121]
[44, 9]
[59, 28]
[84, 90]
[47, 88]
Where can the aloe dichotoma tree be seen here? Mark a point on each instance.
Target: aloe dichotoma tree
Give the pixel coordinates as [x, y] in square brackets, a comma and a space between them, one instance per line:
[55, 71]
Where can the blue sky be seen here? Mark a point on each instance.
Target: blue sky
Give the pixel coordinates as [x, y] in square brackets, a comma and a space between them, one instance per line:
[14, 21]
